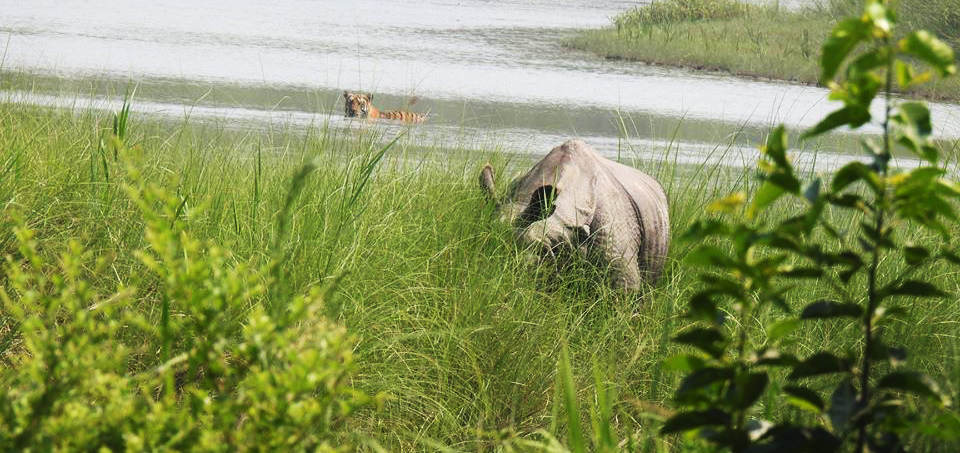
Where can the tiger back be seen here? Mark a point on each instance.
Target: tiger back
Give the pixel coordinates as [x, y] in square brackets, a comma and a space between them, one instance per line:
[360, 105]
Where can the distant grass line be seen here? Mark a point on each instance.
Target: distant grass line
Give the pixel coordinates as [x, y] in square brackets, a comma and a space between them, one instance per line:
[452, 323]
[733, 37]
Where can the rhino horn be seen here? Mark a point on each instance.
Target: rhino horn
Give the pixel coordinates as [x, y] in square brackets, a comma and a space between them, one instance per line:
[486, 181]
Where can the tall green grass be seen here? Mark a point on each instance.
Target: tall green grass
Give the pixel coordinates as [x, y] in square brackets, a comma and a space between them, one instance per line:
[684, 11]
[940, 17]
[450, 321]
[741, 38]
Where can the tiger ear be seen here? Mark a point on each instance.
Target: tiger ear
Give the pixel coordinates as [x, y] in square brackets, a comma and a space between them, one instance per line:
[346, 94]
[370, 97]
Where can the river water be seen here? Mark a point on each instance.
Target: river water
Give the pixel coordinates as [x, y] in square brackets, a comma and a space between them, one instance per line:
[487, 71]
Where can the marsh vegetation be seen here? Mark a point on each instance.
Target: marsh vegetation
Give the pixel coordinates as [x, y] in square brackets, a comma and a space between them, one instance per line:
[746, 39]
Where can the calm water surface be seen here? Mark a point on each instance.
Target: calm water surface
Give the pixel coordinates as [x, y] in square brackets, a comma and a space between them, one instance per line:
[490, 70]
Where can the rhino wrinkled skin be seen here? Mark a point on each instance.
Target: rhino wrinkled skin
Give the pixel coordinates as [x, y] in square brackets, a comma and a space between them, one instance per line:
[574, 198]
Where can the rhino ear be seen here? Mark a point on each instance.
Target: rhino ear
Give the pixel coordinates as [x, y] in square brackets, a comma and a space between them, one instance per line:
[486, 181]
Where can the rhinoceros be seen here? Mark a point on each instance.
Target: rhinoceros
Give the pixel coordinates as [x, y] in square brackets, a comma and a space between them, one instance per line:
[574, 199]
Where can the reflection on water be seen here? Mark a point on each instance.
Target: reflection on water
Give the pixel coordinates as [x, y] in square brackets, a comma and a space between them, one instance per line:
[493, 67]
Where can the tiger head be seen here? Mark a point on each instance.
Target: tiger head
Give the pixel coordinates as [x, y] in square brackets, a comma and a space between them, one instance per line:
[357, 104]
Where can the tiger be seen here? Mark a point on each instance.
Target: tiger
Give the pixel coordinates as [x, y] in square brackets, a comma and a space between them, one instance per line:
[361, 105]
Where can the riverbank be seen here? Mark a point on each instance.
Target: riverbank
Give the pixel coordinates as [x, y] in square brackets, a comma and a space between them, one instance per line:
[770, 42]
[445, 317]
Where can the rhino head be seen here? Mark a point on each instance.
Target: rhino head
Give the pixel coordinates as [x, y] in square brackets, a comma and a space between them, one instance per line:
[576, 200]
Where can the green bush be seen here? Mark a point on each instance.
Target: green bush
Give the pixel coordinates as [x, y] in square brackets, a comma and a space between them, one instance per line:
[872, 402]
[231, 374]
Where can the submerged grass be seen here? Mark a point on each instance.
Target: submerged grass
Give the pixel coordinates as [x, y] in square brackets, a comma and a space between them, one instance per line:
[744, 39]
[452, 323]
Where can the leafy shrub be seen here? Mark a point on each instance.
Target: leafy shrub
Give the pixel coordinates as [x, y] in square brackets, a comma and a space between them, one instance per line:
[875, 400]
[218, 371]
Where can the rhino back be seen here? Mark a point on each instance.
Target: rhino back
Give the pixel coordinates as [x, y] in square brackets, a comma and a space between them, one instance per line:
[649, 203]
[625, 203]
[622, 208]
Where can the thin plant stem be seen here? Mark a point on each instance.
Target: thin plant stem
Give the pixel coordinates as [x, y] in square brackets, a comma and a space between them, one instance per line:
[880, 207]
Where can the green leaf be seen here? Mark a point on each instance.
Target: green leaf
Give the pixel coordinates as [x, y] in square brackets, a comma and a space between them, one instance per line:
[687, 421]
[929, 153]
[940, 206]
[703, 378]
[915, 254]
[876, 237]
[916, 288]
[706, 339]
[843, 405]
[930, 50]
[823, 309]
[847, 258]
[746, 389]
[872, 59]
[766, 194]
[919, 180]
[905, 74]
[853, 172]
[849, 200]
[948, 187]
[819, 364]
[786, 181]
[781, 329]
[784, 237]
[703, 307]
[804, 398]
[917, 115]
[852, 115]
[913, 382]
[842, 40]
[776, 148]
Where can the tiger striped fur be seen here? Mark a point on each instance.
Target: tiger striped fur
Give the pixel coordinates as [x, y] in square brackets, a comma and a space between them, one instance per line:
[361, 105]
